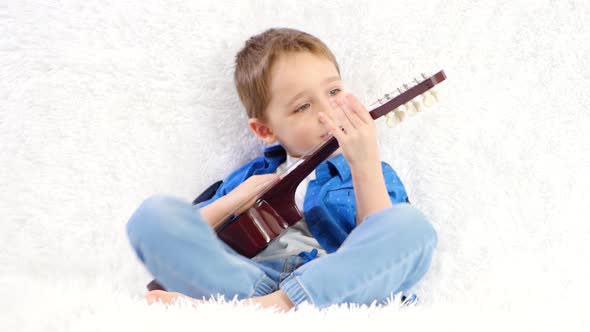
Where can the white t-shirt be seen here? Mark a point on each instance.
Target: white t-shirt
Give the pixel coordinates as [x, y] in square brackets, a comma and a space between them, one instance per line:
[296, 238]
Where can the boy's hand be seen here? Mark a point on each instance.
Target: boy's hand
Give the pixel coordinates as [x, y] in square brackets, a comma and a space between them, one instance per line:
[358, 140]
[248, 191]
[240, 199]
[354, 128]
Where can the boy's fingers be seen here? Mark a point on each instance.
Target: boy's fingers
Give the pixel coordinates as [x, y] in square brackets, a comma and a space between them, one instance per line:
[264, 178]
[263, 181]
[340, 116]
[363, 113]
[330, 125]
[270, 177]
[350, 113]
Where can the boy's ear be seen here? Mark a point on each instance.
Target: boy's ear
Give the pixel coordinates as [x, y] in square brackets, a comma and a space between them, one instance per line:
[261, 130]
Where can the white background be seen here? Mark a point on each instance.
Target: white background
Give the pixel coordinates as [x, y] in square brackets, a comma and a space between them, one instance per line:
[104, 103]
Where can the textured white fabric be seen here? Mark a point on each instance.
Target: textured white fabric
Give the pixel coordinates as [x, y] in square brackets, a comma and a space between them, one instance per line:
[104, 103]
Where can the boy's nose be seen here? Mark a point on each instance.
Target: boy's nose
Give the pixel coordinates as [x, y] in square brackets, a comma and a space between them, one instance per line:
[324, 107]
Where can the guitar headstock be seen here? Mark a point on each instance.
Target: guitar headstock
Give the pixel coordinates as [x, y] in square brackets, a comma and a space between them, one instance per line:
[408, 100]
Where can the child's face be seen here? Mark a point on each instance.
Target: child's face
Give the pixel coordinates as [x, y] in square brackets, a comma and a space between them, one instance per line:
[300, 87]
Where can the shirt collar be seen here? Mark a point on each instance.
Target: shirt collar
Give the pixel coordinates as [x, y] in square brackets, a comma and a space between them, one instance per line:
[274, 152]
[336, 165]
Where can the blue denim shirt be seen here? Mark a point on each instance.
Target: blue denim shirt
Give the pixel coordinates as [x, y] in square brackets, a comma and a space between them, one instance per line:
[330, 214]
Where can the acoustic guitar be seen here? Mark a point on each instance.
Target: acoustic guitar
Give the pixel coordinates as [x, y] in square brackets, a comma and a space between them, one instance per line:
[275, 210]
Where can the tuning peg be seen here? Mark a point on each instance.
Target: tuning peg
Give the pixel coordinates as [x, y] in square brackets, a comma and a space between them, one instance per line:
[385, 98]
[392, 120]
[428, 99]
[436, 95]
[412, 106]
[410, 109]
[416, 105]
[399, 114]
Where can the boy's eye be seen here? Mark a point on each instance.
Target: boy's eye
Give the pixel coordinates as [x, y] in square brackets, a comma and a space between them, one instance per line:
[335, 90]
[302, 108]
[305, 106]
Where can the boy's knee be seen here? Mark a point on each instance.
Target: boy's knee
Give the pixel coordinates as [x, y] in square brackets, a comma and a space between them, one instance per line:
[416, 236]
[422, 226]
[148, 217]
[409, 223]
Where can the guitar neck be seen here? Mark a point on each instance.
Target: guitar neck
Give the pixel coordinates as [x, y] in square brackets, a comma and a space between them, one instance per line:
[408, 95]
[305, 167]
[309, 163]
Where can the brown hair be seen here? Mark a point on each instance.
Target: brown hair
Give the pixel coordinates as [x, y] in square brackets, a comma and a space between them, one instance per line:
[254, 62]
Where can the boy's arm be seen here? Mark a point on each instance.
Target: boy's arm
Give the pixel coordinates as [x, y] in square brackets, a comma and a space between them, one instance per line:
[352, 125]
[369, 188]
[215, 213]
[242, 196]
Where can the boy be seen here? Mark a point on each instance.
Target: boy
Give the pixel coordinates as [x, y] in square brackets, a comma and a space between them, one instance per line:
[359, 242]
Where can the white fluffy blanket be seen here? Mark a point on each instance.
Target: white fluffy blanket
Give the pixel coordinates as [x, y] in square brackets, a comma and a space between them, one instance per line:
[103, 103]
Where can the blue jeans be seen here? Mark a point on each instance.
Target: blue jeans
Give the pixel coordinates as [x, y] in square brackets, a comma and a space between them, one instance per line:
[388, 253]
